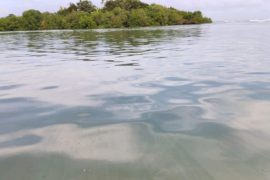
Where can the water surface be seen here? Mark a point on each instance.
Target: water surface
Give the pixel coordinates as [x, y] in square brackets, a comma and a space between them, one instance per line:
[180, 102]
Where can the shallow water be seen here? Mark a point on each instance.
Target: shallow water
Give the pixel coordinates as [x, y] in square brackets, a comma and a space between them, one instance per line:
[180, 102]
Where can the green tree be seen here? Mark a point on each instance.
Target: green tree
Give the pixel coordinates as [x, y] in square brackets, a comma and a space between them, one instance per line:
[11, 23]
[159, 14]
[52, 21]
[2, 24]
[119, 18]
[175, 17]
[197, 18]
[87, 22]
[85, 6]
[31, 20]
[114, 14]
[65, 11]
[138, 17]
[99, 18]
[72, 20]
[123, 4]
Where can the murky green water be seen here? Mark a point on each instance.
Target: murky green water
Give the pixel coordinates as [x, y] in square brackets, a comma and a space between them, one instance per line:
[186, 102]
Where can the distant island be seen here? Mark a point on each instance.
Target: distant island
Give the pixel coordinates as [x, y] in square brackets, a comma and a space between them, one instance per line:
[114, 14]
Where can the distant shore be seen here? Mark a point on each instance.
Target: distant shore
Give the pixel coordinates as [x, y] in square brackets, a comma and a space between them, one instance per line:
[114, 14]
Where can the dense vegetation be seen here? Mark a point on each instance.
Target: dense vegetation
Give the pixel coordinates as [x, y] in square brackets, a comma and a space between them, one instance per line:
[114, 14]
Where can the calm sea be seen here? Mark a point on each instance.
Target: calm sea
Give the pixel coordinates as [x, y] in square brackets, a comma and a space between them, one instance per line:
[161, 103]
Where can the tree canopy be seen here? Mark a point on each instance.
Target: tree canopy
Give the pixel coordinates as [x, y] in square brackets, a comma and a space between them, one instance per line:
[114, 14]
[124, 4]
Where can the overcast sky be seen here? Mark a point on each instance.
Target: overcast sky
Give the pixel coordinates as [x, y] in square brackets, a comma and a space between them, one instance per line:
[216, 9]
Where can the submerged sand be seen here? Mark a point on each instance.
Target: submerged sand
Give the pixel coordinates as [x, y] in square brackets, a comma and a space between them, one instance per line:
[134, 151]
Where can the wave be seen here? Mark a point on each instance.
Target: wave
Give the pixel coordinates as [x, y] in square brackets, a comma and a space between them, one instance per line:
[259, 20]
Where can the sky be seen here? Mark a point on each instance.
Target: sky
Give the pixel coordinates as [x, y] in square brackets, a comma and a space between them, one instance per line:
[216, 9]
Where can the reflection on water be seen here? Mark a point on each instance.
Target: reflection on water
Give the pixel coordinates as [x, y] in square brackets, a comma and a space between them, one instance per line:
[188, 102]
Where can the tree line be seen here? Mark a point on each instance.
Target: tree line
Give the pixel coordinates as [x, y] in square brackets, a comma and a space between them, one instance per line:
[114, 14]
